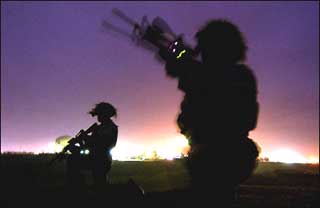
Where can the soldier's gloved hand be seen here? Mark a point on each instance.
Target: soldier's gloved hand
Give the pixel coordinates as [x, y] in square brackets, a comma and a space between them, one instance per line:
[66, 148]
[166, 55]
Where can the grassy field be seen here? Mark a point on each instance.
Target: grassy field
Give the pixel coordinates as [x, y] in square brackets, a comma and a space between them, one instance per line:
[272, 185]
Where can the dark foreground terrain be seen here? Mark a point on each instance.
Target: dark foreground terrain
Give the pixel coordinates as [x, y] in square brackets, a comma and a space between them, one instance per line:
[27, 181]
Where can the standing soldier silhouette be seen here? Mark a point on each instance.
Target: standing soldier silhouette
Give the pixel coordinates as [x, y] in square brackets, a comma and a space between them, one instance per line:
[94, 149]
[218, 110]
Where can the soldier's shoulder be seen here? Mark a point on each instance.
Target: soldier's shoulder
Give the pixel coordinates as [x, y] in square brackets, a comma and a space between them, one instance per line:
[243, 76]
[243, 73]
[245, 70]
[114, 126]
[107, 127]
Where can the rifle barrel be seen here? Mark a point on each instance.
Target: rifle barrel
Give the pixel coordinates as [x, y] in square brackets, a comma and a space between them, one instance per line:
[60, 154]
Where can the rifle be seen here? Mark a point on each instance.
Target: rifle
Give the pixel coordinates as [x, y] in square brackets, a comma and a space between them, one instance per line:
[158, 34]
[74, 144]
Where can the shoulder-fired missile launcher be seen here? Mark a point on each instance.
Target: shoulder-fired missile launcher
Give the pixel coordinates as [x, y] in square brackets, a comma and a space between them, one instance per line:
[156, 35]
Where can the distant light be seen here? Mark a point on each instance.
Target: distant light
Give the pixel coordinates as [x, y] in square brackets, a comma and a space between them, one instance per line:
[86, 151]
[313, 160]
[81, 151]
[77, 144]
[174, 147]
[173, 50]
[286, 156]
[126, 151]
[176, 43]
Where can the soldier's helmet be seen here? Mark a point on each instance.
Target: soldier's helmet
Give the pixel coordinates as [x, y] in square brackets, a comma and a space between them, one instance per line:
[103, 109]
[221, 40]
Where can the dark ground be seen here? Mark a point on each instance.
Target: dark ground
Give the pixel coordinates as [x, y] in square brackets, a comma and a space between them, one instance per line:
[27, 181]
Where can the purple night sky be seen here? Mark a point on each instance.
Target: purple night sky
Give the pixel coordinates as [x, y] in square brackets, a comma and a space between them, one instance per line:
[57, 62]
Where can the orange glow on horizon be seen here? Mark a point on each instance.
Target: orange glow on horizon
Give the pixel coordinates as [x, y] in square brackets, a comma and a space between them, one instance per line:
[177, 147]
[169, 149]
[286, 155]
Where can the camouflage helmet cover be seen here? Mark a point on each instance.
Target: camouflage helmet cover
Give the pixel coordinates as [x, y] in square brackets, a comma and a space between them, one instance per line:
[104, 109]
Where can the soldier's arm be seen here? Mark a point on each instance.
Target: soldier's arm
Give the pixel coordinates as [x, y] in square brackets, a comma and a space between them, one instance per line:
[184, 69]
